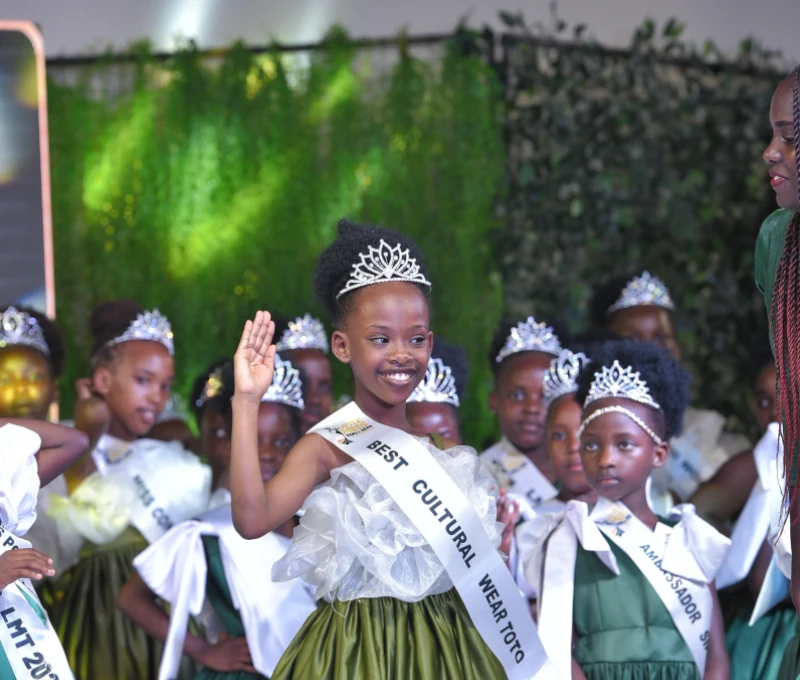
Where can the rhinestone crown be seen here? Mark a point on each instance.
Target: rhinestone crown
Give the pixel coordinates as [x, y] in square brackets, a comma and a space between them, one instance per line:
[620, 382]
[305, 332]
[286, 387]
[20, 328]
[529, 336]
[438, 385]
[382, 265]
[562, 376]
[643, 291]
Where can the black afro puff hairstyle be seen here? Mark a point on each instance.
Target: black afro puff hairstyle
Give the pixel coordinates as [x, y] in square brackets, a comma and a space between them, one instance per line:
[667, 381]
[219, 401]
[52, 337]
[502, 332]
[605, 296]
[455, 357]
[335, 264]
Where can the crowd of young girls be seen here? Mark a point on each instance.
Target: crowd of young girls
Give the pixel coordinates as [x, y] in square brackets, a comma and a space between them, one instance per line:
[278, 537]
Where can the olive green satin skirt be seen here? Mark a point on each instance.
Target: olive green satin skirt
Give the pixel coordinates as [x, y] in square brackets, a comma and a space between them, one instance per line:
[388, 639]
[101, 643]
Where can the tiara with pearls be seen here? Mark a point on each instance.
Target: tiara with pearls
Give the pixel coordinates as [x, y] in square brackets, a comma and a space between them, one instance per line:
[382, 265]
[643, 291]
[212, 388]
[529, 336]
[153, 326]
[562, 376]
[619, 382]
[305, 332]
[286, 387]
[21, 329]
[438, 385]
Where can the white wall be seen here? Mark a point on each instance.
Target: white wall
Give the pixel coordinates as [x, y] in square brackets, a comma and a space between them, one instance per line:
[83, 26]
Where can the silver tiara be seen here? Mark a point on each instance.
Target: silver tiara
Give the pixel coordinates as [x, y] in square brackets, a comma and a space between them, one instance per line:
[562, 376]
[213, 387]
[20, 328]
[305, 332]
[153, 326]
[529, 336]
[438, 385]
[619, 382]
[382, 265]
[286, 387]
[643, 291]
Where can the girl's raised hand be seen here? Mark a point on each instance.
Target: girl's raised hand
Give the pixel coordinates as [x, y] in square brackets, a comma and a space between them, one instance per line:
[254, 361]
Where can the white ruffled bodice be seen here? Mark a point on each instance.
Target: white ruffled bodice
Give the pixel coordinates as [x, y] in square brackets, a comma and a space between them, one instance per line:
[353, 540]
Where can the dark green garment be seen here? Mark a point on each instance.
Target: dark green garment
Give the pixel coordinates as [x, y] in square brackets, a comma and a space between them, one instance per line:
[624, 630]
[790, 667]
[219, 595]
[757, 651]
[384, 638]
[99, 640]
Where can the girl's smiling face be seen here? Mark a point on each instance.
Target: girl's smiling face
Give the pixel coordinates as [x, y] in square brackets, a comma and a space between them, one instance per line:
[617, 454]
[387, 341]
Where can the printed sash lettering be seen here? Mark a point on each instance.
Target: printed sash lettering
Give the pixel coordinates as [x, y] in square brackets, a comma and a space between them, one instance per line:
[27, 638]
[689, 603]
[444, 516]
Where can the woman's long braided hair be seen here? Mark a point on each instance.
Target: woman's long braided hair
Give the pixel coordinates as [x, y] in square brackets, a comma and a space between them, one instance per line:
[785, 321]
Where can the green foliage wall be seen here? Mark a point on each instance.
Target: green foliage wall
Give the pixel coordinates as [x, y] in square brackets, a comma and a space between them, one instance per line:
[207, 189]
[645, 159]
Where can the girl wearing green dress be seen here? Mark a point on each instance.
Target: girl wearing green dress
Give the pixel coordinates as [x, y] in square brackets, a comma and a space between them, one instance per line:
[778, 279]
[391, 607]
[248, 620]
[126, 494]
[623, 593]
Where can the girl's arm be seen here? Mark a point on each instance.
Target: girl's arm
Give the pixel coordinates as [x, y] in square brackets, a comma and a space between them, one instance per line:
[755, 578]
[722, 496]
[138, 603]
[717, 663]
[577, 671]
[61, 446]
[259, 508]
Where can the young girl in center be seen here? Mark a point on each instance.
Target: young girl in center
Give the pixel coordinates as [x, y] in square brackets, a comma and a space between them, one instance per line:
[392, 609]
[640, 601]
[126, 494]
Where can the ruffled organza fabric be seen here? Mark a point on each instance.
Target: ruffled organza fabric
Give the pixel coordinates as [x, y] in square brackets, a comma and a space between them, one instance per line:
[353, 540]
[19, 478]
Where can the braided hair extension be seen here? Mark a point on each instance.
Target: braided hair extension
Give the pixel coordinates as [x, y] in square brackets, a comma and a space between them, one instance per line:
[785, 321]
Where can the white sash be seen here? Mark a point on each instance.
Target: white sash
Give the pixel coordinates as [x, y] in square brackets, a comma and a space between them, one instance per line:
[678, 563]
[442, 514]
[175, 569]
[516, 472]
[680, 581]
[759, 513]
[166, 484]
[30, 643]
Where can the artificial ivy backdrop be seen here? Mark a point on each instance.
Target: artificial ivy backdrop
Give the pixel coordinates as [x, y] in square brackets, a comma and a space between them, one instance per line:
[207, 186]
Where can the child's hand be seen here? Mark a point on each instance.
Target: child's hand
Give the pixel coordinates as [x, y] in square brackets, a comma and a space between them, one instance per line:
[507, 514]
[91, 412]
[23, 563]
[229, 654]
[254, 361]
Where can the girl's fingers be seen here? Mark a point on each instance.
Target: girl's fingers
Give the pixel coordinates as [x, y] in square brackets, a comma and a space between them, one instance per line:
[244, 343]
